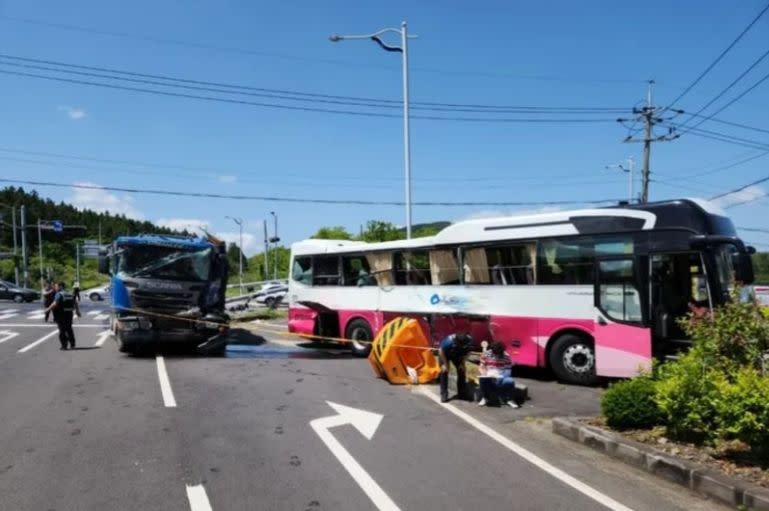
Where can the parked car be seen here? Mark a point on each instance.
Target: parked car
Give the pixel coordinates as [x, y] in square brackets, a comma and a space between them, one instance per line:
[96, 294]
[10, 291]
[272, 294]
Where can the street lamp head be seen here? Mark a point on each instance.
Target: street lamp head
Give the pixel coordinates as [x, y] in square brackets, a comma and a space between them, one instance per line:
[335, 38]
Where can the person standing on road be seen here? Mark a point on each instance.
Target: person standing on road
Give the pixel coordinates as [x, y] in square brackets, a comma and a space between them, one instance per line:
[454, 349]
[76, 290]
[63, 307]
[48, 294]
[496, 381]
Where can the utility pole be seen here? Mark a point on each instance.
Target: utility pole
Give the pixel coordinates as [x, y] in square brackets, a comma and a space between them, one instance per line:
[25, 268]
[650, 116]
[15, 246]
[77, 262]
[239, 221]
[40, 247]
[266, 252]
[99, 232]
[631, 177]
[275, 241]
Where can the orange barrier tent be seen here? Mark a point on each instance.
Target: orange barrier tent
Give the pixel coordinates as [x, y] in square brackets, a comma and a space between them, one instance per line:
[401, 353]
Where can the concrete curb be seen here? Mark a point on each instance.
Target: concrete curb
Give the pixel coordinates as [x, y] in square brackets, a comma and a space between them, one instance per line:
[697, 478]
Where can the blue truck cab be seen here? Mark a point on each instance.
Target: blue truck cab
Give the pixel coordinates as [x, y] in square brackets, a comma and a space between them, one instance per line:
[167, 289]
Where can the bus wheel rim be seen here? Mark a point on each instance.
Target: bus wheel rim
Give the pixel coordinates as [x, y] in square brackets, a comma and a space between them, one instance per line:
[359, 334]
[579, 358]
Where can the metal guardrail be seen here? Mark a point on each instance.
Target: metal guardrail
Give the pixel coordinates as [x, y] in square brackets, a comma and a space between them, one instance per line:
[258, 283]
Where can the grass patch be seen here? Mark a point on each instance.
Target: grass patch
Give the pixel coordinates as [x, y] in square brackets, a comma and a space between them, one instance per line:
[263, 314]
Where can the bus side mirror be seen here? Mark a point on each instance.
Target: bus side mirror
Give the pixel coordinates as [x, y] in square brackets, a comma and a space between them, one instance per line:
[743, 267]
[103, 264]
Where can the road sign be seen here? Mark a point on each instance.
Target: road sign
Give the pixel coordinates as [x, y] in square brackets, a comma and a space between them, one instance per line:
[57, 225]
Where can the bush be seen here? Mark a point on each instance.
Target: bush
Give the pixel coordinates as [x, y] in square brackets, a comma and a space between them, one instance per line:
[734, 336]
[745, 411]
[691, 396]
[631, 404]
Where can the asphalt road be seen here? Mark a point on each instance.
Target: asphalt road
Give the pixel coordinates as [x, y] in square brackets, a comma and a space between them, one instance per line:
[93, 429]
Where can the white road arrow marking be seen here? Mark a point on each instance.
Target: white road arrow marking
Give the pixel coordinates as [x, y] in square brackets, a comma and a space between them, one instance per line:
[198, 498]
[102, 337]
[5, 335]
[367, 423]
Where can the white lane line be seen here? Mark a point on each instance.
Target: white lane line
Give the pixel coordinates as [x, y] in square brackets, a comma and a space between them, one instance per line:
[165, 384]
[5, 335]
[529, 456]
[39, 341]
[102, 337]
[198, 498]
[93, 313]
[43, 325]
[101, 317]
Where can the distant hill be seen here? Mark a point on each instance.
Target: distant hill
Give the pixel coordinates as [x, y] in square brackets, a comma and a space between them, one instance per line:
[425, 229]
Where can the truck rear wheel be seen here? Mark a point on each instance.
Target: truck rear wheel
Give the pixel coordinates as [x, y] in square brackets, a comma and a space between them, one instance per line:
[360, 335]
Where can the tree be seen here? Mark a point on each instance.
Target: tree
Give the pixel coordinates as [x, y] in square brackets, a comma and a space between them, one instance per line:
[376, 230]
[233, 256]
[761, 267]
[332, 233]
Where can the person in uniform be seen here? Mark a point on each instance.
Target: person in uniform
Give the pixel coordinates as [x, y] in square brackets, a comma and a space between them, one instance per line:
[454, 349]
[64, 306]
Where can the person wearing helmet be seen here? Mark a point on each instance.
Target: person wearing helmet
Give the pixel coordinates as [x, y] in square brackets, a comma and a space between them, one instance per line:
[454, 349]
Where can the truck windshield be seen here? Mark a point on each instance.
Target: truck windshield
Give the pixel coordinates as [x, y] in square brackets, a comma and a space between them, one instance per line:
[170, 263]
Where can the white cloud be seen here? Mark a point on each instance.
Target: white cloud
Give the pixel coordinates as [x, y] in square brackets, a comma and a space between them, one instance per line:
[96, 198]
[74, 113]
[748, 194]
[495, 213]
[250, 245]
[228, 179]
[180, 224]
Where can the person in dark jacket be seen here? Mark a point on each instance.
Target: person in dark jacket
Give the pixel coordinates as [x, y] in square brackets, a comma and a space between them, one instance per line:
[454, 349]
[64, 306]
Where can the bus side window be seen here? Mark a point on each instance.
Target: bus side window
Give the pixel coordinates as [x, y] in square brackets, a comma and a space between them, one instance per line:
[302, 270]
[357, 272]
[326, 271]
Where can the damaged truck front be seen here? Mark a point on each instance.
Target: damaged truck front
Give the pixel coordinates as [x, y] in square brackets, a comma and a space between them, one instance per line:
[168, 289]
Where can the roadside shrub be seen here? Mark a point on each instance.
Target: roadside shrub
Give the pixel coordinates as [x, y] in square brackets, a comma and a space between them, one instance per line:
[745, 411]
[631, 404]
[734, 336]
[691, 395]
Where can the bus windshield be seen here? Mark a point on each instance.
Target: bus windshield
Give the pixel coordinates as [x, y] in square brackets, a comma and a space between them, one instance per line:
[164, 263]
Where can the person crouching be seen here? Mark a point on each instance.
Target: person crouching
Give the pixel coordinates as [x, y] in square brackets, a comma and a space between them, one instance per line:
[496, 381]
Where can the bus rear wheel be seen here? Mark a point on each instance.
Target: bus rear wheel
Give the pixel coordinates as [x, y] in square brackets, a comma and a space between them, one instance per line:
[360, 335]
[572, 359]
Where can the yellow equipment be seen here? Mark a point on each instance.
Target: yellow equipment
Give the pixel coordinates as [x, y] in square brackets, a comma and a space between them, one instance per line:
[402, 348]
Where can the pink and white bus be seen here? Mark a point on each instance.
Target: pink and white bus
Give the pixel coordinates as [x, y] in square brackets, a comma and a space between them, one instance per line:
[587, 293]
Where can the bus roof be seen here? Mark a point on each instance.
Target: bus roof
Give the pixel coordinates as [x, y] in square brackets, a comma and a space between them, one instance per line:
[695, 215]
[165, 240]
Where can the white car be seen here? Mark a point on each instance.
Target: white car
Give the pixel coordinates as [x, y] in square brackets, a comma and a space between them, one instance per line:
[97, 294]
[272, 294]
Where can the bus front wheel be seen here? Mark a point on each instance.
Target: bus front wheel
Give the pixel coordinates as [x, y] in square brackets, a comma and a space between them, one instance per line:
[572, 359]
[360, 335]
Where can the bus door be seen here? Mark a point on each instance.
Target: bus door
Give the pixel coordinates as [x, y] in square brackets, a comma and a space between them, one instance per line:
[678, 285]
[622, 336]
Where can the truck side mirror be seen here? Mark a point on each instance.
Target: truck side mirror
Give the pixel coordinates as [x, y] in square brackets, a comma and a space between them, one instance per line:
[743, 268]
[103, 264]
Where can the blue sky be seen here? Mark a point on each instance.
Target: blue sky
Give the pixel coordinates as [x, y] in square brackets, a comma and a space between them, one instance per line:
[571, 54]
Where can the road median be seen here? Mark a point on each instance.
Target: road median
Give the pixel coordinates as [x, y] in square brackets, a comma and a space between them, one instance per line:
[695, 477]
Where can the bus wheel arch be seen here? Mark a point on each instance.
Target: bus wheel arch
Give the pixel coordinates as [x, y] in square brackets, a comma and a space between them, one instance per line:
[359, 329]
[570, 354]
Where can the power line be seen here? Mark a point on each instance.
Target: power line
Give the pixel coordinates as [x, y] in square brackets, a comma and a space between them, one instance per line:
[723, 167]
[217, 172]
[753, 229]
[299, 58]
[503, 120]
[742, 188]
[265, 198]
[288, 94]
[714, 135]
[728, 88]
[726, 123]
[721, 55]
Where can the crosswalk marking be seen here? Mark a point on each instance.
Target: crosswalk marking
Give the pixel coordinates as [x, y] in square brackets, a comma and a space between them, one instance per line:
[101, 317]
[93, 313]
[36, 315]
[8, 314]
[5, 335]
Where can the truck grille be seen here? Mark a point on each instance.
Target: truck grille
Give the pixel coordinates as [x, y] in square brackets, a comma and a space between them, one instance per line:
[165, 303]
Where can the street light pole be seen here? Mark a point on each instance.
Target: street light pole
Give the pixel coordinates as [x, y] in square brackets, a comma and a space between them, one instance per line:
[275, 240]
[40, 247]
[404, 50]
[629, 170]
[239, 221]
